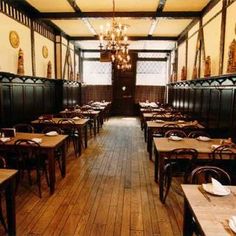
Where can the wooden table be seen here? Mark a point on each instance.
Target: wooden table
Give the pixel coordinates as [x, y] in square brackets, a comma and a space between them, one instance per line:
[80, 125]
[163, 147]
[48, 146]
[156, 126]
[92, 114]
[148, 104]
[7, 182]
[211, 217]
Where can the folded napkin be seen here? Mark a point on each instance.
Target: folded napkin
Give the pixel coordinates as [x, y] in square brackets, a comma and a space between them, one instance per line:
[218, 188]
[214, 146]
[76, 118]
[37, 140]
[52, 133]
[232, 223]
[203, 138]
[175, 138]
[4, 140]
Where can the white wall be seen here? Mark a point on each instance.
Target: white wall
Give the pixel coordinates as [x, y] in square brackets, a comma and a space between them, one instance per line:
[230, 33]
[41, 62]
[181, 58]
[8, 54]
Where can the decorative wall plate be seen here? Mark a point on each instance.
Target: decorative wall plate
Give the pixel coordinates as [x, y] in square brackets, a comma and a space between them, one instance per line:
[45, 52]
[14, 39]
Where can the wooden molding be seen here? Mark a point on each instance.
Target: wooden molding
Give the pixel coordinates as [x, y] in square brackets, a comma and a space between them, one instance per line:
[76, 15]
[168, 38]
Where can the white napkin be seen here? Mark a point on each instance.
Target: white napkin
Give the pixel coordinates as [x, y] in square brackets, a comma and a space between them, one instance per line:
[37, 140]
[217, 187]
[4, 140]
[203, 138]
[214, 146]
[52, 133]
[175, 138]
[75, 118]
[232, 223]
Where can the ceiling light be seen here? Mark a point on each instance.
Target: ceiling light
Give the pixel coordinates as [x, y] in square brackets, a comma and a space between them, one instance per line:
[113, 39]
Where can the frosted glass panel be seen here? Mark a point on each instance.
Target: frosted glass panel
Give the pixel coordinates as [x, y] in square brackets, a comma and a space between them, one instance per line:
[151, 73]
[96, 72]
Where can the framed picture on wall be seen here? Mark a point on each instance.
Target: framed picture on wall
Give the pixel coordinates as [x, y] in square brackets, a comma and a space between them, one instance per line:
[14, 39]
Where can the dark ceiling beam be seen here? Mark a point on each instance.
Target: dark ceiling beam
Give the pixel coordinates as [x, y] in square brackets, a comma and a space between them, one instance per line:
[209, 6]
[133, 50]
[77, 15]
[131, 38]
[74, 5]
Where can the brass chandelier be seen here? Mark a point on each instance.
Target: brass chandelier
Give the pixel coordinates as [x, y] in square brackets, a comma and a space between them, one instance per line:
[114, 41]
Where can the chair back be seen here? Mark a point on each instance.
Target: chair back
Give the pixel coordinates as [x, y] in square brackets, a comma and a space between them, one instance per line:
[203, 174]
[175, 132]
[224, 152]
[26, 128]
[32, 150]
[198, 133]
[3, 163]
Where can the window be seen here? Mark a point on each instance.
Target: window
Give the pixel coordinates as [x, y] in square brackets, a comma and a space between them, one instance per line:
[96, 72]
[151, 73]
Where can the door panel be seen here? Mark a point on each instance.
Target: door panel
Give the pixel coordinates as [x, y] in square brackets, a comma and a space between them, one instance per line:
[124, 90]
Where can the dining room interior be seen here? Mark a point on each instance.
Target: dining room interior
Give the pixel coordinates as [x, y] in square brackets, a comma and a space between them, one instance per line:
[118, 117]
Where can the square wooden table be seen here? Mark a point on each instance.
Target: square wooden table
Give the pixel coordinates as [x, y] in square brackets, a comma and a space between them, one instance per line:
[211, 216]
[7, 182]
[80, 124]
[158, 126]
[164, 146]
[48, 146]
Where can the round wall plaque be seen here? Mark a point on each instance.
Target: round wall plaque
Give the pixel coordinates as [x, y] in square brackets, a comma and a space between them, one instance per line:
[45, 52]
[14, 39]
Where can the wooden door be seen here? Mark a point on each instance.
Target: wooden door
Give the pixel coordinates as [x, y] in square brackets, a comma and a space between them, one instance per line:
[124, 90]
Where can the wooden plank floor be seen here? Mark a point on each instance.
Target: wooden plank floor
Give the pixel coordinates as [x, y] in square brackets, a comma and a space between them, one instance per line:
[109, 190]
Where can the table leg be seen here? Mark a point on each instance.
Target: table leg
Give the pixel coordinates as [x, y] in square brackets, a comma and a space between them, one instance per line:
[161, 176]
[51, 170]
[79, 141]
[63, 164]
[156, 164]
[149, 143]
[95, 126]
[10, 206]
[188, 223]
[85, 136]
[98, 123]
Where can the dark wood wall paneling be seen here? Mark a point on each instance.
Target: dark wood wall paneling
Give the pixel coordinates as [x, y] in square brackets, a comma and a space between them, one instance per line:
[151, 93]
[211, 101]
[96, 93]
[71, 93]
[23, 99]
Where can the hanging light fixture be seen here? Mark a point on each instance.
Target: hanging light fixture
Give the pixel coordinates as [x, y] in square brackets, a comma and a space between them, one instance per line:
[114, 42]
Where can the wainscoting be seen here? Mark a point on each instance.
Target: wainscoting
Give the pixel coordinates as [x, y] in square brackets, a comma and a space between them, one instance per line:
[151, 93]
[96, 93]
[23, 99]
[212, 101]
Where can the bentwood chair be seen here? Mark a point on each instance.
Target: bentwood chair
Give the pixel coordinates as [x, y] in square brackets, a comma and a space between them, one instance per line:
[69, 128]
[31, 159]
[180, 162]
[224, 157]
[198, 133]
[26, 128]
[175, 132]
[58, 152]
[203, 174]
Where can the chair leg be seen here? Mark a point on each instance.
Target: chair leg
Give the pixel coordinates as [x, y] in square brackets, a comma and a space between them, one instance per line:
[167, 181]
[39, 181]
